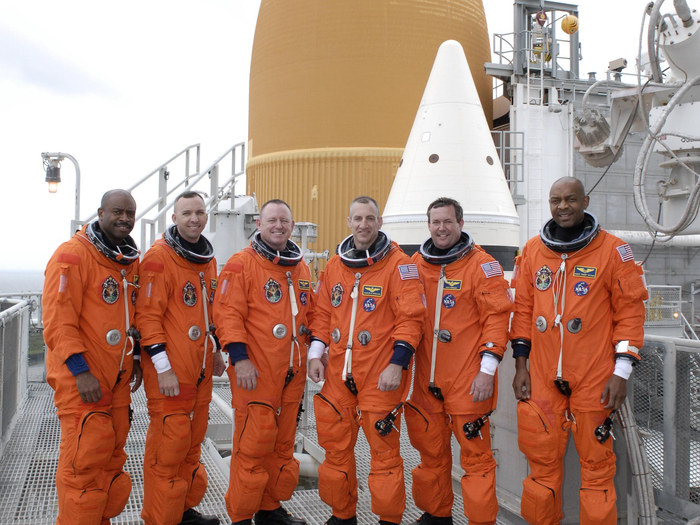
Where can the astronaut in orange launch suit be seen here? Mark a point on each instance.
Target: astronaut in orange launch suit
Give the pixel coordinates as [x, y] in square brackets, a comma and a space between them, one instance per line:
[370, 313]
[89, 296]
[174, 318]
[579, 317]
[465, 336]
[263, 307]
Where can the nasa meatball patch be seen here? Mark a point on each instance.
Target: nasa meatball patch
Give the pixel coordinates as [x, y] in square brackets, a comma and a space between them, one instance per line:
[581, 288]
[448, 301]
[369, 304]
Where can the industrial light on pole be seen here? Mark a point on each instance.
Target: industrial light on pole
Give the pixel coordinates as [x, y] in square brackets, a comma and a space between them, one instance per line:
[52, 167]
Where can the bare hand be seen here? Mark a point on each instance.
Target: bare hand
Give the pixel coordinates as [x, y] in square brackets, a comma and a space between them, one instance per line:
[317, 370]
[390, 378]
[219, 366]
[521, 380]
[616, 390]
[168, 384]
[246, 374]
[88, 387]
[482, 387]
[136, 376]
[324, 359]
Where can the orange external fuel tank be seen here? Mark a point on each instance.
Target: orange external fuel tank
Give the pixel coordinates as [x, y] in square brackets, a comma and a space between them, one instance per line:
[334, 89]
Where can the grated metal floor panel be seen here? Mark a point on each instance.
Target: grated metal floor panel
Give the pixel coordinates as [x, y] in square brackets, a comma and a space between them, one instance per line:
[28, 467]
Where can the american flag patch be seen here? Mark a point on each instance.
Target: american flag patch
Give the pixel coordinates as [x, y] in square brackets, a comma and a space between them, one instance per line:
[625, 253]
[491, 269]
[408, 271]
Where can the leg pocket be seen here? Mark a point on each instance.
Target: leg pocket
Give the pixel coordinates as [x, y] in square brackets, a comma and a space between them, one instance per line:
[246, 491]
[259, 431]
[175, 440]
[83, 507]
[597, 507]
[168, 500]
[334, 487]
[96, 442]
[198, 487]
[334, 424]
[537, 503]
[282, 487]
[117, 495]
[537, 437]
[427, 490]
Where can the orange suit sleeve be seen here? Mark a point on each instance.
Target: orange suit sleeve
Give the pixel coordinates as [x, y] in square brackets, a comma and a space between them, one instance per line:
[407, 305]
[521, 325]
[493, 300]
[231, 301]
[63, 303]
[152, 300]
[628, 295]
[320, 317]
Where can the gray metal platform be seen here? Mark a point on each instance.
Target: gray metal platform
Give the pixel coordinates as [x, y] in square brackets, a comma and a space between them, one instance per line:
[28, 467]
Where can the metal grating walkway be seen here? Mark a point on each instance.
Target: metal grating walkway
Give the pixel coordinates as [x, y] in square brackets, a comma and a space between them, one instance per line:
[28, 467]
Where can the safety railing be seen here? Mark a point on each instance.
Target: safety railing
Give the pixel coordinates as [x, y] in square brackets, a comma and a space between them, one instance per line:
[34, 301]
[151, 219]
[14, 352]
[152, 227]
[665, 394]
[663, 308]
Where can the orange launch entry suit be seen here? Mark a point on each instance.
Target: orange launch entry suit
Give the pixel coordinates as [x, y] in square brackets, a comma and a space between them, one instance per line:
[253, 307]
[170, 312]
[390, 308]
[600, 296]
[85, 313]
[476, 306]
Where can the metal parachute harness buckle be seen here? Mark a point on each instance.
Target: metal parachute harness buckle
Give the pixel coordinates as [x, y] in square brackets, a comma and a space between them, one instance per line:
[472, 429]
[604, 430]
[386, 425]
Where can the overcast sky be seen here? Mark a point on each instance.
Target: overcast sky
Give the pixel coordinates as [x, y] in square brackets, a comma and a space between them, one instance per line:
[123, 86]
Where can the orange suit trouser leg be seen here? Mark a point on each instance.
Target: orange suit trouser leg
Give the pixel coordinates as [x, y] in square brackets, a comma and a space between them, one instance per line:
[597, 495]
[542, 436]
[171, 464]
[337, 427]
[281, 466]
[432, 478]
[479, 479]
[254, 439]
[88, 448]
[386, 480]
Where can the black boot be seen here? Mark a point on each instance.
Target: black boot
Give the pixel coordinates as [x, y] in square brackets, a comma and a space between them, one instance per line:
[334, 520]
[279, 516]
[192, 517]
[243, 522]
[384, 522]
[429, 519]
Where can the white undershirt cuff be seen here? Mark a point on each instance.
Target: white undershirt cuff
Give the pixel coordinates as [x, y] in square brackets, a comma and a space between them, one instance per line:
[623, 368]
[161, 362]
[316, 349]
[489, 364]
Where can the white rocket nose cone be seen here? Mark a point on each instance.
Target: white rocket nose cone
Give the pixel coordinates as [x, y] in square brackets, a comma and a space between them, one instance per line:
[450, 80]
[450, 153]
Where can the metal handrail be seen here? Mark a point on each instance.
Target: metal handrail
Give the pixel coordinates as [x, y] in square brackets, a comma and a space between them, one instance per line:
[185, 152]
[201, 175]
